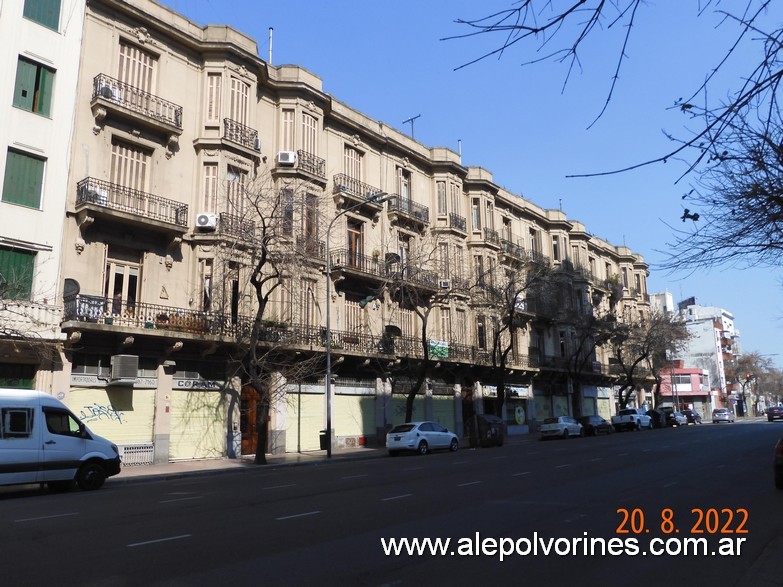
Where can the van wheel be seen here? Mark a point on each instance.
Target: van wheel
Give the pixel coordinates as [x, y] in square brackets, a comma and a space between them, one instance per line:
[90, 477]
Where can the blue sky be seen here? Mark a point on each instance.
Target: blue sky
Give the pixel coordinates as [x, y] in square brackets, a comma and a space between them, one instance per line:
[386, 59]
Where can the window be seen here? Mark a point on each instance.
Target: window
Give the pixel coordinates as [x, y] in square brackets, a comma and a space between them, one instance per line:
[129, 166]
[44, 12]
[33, 89]
[459, 329]
[352, 163]
[287, 206]
[310, 134]
[555, 248]
[310, 219]
[16, 274]
[478, 262]
[205, 268]
[355, 244]
[307, 305]
[210, 187]
[240, 99]
[122, 283]
[235, 190]
[287, 130]
[535, 242]
[23, 179]
[458, 262]
[136, 69]
[455, 192]
[214, 90]
[563, 344]
[404, 183]
[476, 214]
[16, 422]
[441, 189]
[445, 324]
[481, 332]
[62, 423]
[443, 253]
[490, 219]
[625, 276]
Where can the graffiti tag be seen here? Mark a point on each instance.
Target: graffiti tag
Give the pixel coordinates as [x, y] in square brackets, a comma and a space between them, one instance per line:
[97, 412]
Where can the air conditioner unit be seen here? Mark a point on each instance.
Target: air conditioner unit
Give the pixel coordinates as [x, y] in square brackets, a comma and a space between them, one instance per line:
[286, 158]
[206, 221]
[257, 144]
[110, 92]
[124, 369]
[444, 283]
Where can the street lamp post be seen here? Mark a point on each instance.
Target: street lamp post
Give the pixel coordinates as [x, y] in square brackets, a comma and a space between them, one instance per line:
[378, 198]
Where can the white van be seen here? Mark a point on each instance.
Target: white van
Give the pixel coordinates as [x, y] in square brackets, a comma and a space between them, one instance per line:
[41, 441]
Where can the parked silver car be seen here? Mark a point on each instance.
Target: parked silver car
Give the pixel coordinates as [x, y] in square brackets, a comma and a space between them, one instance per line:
[561, 427]
[722, 415]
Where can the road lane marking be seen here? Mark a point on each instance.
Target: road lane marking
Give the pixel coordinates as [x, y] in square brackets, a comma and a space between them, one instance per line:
[47, 517]
[519, 474]
[561, 466]
[670, 484]
[279, 486]
[353, 476]
[397, 497]
[181, 536]
[181, 499]
[468, 483]
[460, 462]
[299, 515]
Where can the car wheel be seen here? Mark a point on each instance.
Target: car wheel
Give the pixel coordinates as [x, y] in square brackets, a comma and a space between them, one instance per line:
[424, 448]
[90, 477]
[565, 434]
[638, 425]
[454, 445]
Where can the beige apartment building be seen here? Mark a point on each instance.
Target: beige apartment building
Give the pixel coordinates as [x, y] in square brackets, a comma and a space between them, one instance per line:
[184, 141]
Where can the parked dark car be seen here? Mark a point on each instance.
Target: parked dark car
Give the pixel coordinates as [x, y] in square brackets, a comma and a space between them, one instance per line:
[774, 413]
[658, 418]
[671, 419]
[693, 417]
[778, 464]
[594, 425]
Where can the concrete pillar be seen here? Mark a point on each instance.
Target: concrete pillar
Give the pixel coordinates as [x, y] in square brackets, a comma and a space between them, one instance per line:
[459, 425]
[161, 427]
[383, 410]
[277, 414]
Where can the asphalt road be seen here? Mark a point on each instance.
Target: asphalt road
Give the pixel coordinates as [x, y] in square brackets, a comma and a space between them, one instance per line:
[324, 524]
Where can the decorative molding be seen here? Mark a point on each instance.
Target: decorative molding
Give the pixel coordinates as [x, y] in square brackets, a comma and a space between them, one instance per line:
[310, 105]
[356, 140]
[142, 35]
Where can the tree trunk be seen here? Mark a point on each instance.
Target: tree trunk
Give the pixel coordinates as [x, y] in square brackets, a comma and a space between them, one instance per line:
[262, 414]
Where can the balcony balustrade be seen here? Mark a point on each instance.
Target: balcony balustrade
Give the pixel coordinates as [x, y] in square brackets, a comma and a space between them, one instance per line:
[235, 226]
[311, 247]
[113, 91]
[123, 199]
[458, 222]
[347, 185]
[311, 164]
[492, 236]
[513, 250]
[409, 209]
[240, 134]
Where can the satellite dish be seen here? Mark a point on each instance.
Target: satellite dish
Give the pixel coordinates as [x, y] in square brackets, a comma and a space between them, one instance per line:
[71, 288]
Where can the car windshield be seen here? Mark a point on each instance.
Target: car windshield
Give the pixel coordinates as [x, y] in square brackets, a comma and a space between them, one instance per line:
[552, 421]
[401, 428]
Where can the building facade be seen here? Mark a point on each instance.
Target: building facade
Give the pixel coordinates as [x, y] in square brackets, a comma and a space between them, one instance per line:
[192, 158]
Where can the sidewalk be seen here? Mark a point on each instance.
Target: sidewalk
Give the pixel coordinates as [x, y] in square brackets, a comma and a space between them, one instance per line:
[179, 469]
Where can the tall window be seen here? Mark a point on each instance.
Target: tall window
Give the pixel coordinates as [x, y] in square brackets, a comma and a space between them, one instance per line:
[210, 187]
[286, 301]
[490, 220]
[352, 163]
[23, 179]
[45, 12]
[205, 268]
[404, 183]
[310, 218]
[443, 253]
[507, 229]
[460, 326]
[555, 248]
[459, 260]
[122, 280]
[136, 67]
[476, 214]
[235, 190]
[625, 276]
[129, 165]
[355, 244]
[478, 263]
[33, 89]
[445, 324]
[309, 134]
[240, 99]
[481, 332]
[287, 209]
[535, 241]
[454, 193]
[307, 302]
[16, 273]
[287, 130]
[214, 95]
[441, 189]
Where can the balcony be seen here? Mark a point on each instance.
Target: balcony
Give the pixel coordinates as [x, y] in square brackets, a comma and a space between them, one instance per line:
[31, 319]
[491, 236]
[513, 251]
[130, 206]
[111, 96]
[241, 135]
[306, 164]
[348, 190]
[404, 210]
[311, 248]
[237, 227]
[357, 263]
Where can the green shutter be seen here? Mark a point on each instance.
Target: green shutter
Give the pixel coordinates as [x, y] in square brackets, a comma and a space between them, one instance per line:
[23, 179]
[45, 12]
[16, 274]
[24, 91]
[45, 84]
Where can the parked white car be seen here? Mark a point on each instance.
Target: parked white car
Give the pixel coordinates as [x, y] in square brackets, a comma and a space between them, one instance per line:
[420, 437]
[560, 427]
[722, 415]
[680, 419]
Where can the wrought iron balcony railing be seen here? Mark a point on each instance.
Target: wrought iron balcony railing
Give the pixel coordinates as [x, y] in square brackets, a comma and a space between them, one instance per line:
[236, 226]
[116, 197]
[491, 236]
[348, 185]
[458, 222]
[513, 250]
[311, 247]
[409, 208]
[136, 100]
[240, 134]
[312, 164]
[357, 261]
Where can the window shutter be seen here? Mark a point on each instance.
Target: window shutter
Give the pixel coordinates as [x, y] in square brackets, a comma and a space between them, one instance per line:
[45, 12]
[23, 180]
[44, 105]
[24, 91]
[16, 273]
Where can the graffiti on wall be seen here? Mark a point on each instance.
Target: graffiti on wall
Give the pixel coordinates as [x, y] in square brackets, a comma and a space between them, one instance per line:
[97, 412]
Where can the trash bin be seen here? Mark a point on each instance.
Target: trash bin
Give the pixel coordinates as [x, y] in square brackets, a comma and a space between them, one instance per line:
[490, 430]
[323, 439]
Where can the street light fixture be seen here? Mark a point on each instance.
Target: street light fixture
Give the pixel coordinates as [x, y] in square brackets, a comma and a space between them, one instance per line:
[378, 198]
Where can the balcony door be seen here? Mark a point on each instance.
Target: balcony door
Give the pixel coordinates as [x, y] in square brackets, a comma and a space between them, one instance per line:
[122, 283]
[355, 242]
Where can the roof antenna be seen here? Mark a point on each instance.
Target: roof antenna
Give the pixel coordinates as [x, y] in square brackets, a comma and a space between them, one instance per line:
[411, 119]
[270, 44]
